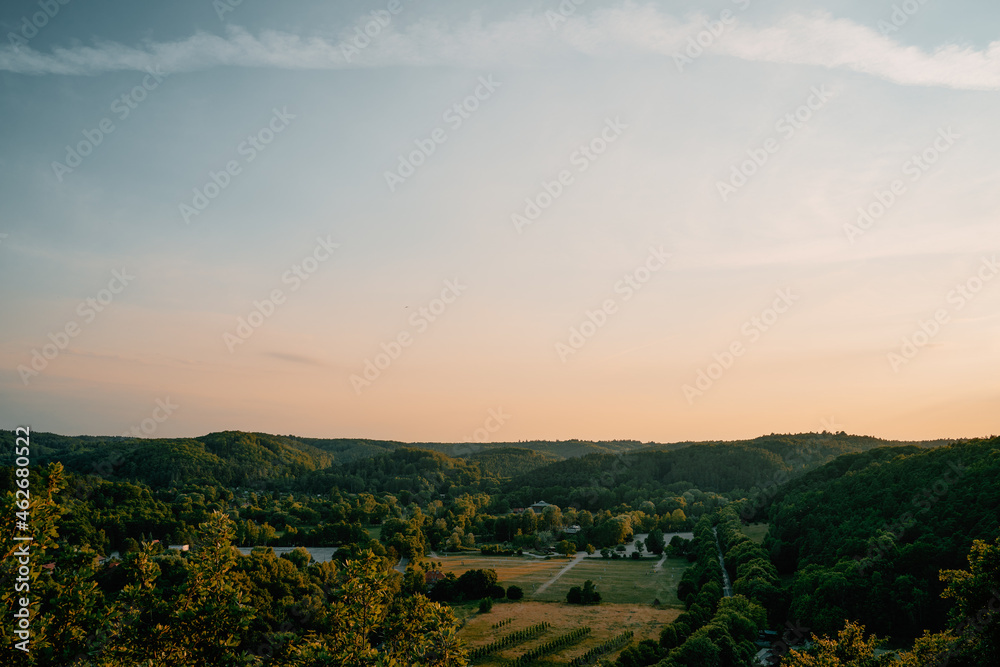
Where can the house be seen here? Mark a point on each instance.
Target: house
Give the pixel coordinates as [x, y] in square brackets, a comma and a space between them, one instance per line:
[766, 638]
[538, 507]
[572, 530]
[433, 577]
[766, 658]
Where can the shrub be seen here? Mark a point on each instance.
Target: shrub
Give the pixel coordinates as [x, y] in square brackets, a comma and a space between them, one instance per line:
[485, 605]
[515, 593]
[586, 595]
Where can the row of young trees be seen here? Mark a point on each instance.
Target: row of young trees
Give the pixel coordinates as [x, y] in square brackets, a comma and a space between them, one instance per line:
[607, 646]
[510, 639]
[552, 646]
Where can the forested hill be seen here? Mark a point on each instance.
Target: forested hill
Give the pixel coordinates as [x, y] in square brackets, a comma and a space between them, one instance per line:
[602, 481]
[230, 458]
[868, 533]
[346, 449]
[511, 461]
[407, 470]
[624, 469]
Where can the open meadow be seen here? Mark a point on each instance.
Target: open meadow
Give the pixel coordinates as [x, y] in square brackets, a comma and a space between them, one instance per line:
[622, 581]
[618, 581]
[524, 571]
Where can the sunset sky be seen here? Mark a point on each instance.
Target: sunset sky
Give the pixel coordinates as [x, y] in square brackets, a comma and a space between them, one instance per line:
[611, 220]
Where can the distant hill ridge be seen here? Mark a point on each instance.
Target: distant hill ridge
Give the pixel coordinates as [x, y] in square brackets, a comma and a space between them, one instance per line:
[237, 458]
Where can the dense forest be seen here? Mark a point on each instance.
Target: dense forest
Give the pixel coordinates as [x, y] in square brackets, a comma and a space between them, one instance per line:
[869, 544]
[866, 534]
[275, 462]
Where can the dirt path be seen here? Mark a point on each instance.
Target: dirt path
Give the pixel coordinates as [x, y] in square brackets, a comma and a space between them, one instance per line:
[659, 564]
[579, 557]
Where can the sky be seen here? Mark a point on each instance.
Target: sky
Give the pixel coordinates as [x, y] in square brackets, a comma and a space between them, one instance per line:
[450, 221]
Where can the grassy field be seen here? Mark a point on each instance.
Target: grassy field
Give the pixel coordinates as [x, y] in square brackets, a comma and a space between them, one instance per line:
[622, 581]
[374, 532]
[756, 532]
[605, 621]
[618, 581]
[523, 571]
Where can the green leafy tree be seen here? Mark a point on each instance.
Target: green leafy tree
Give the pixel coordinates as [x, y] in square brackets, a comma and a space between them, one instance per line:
[850, 649]
[976, 592]
[371, 627]
[654, 541]
[586, 595]
[198, 620]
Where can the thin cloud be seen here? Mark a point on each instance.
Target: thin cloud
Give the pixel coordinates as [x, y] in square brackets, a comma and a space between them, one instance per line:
[294, 358]
[528, 39]
[842, 44]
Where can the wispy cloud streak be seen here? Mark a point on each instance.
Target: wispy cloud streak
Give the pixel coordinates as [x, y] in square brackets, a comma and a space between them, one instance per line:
[527, 40]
